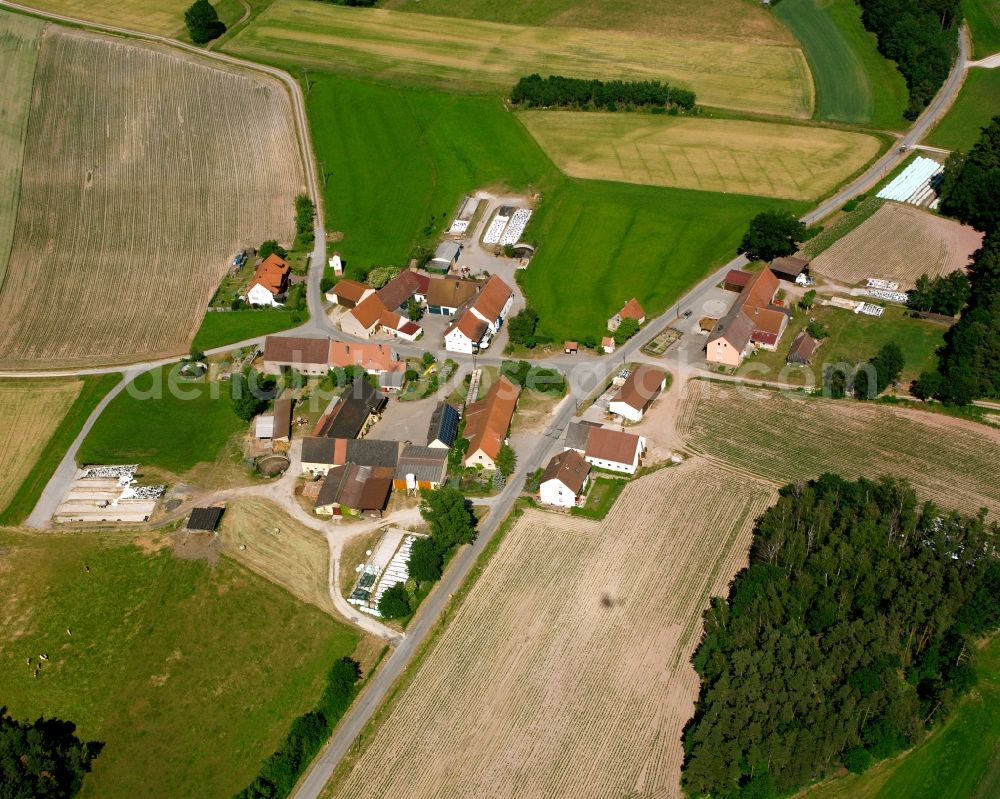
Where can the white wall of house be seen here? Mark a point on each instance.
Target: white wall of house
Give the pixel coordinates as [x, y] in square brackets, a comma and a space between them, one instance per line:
[316, 469]
[457, 341]
[616, 466]
[258, 295]
[494, 324]
[555, 492]
[626, 411]
[480, 458]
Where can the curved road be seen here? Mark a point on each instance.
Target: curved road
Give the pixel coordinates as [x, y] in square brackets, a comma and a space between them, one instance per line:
[584, 378]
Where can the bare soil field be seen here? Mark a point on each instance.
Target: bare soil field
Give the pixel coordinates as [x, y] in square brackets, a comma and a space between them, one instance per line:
[739, 20]
[144, 169]
[899, 242]
[18, 50]
[278, 548]
[31, 412]
[951, 461]
[489, 56]
[723, 155]
[565, 671]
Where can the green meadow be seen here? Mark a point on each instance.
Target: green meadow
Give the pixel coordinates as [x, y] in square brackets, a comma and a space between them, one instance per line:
[399, 160]
[221, 328]
[977, 103]
[983, 18]
[159, 428]
[189, 673]
[853, 82]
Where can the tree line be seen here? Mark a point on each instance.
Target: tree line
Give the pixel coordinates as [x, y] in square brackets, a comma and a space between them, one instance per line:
[969, 362]
[921, 37]
[848, 635]
[556, 91]
[42, 758]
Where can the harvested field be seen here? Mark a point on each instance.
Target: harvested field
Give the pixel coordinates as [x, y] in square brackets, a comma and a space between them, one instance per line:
[31, 410]
[716, 19]
[279, 548]
[950, 461]
[900, 243]
[488, 56]
[722, 155]
[143, 170]
[565, 670]
[165, 17]
[18, 50]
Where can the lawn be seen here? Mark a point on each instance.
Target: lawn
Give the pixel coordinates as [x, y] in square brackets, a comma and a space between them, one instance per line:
[490, 57]
[983, 17]
[723, 155]
[43, 417]
[975, 106]
[162, 422]
[854, 338]
[189, 673]
[601, 497]
[960, 760]
[602, 243]
[221, 328]
[854, 83]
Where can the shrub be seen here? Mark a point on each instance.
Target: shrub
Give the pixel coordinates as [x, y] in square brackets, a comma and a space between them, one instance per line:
[395, 602]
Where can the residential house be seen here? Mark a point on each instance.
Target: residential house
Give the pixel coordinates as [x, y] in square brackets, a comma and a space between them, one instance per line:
[381, 310]
[802, 349]
[487, 422]
[349, 293]
[752, 321]
[445, 295]
[375, 359]
[353, 413]
[637, 393]
[363, 320]
[605, 448]
[309, 356]
[630, 310]
[354, 488]
[269, 283]
[399, 326]
[446, 254]
[467, 334]
[443, 429]
[493, 303]
[564, 480]
[421, 468]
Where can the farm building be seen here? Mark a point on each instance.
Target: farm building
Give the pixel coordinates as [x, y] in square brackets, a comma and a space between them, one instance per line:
[375, 359]
[467, 334]
[391, 381]
[357, 409]
[363, 320]
[576, 435]
[348, 293]
[752, 320]
[564, 480]
[789, 268]
[571, 347]
[487, 422]
[736, 280]
[204, 519]
[630, 310]
[397, 292]
[446, 254]
[336, 264]
[608, 345]
[445, 295]
[421, 468]
[637, 393]
[276, 426]
[482, 319]
[802, 349]
[605, 448]
[400, 326]
[443, 429]
[269, 283]
[310, 356]
[359, 489]
[320, 454]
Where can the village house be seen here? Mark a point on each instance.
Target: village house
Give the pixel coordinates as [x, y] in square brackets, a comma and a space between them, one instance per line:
[353, 488]
[373, 358]
[362, 320]
[385, 309]
[482, 319]
[565, 479]
[269, 283]
[631, 310]
[443, 429]
[320, 454]
[467, 334]
[421, 468]
[637, 393]
[752, 322]
[487, 423]
[349, 293]
[605, 448]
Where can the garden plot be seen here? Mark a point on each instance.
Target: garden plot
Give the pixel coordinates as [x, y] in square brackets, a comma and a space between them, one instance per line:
[565, 672]
[144, 170]
[899, 244]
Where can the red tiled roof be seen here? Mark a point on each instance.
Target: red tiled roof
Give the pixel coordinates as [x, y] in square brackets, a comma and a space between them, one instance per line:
[641, 387]
[632, 310]
[487, 421]
[272, 274]
[293, 350]
[737, 277]
[450, 292]
[398, 290]
[371, 357]
[611, 445]
[492, 298]
[369, 312]
[471, 326]
[350, 290]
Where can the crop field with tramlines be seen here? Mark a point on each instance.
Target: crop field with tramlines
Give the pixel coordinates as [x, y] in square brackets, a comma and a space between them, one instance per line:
[18, 48]
[489, 56]
[899, 243]
[723, 155]
[165, 17]
[565, 671]
[951, 461]
[143, 170]
[31, 410]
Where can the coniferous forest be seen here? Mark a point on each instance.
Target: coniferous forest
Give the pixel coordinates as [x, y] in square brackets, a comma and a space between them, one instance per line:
[849, 635]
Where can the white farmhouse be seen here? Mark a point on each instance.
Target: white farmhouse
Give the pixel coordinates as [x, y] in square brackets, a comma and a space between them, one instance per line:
[564, 480]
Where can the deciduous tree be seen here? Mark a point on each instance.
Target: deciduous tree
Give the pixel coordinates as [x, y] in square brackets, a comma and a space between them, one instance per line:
[772, 234]
[203, 22]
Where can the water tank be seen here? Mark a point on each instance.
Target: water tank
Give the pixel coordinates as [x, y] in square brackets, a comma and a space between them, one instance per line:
[411, 482]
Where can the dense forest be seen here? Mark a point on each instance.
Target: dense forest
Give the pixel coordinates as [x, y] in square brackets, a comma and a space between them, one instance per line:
[43, 758]
[555, 91]
[969, 362]
[846, 637]
[921, 37]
